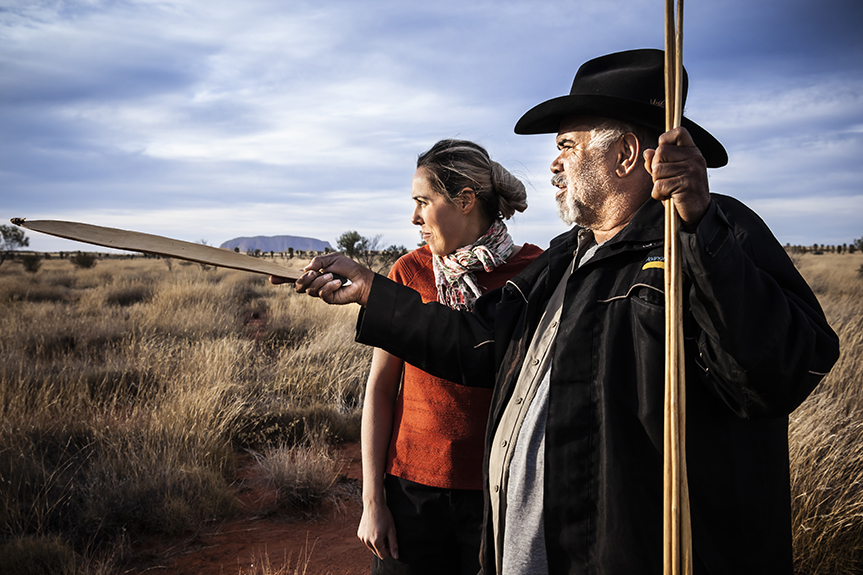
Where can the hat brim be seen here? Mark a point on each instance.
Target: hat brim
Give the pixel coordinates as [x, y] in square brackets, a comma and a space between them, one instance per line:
[545, 118]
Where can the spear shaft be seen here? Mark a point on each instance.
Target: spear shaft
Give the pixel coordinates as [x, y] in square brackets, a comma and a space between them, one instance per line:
[677, 534]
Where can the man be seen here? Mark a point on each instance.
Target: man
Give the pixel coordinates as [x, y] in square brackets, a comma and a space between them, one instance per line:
[573, 347]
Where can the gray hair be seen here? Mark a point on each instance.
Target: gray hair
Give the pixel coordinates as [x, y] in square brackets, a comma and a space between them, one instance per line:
[607, 132]
[454, 165]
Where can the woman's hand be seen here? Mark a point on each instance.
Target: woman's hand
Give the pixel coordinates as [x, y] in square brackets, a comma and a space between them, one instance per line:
[378, 531]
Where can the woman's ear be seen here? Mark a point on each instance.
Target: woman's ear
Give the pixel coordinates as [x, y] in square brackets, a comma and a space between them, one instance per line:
[467, 200]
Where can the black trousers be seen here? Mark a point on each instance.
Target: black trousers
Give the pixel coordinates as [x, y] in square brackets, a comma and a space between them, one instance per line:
[438, 530]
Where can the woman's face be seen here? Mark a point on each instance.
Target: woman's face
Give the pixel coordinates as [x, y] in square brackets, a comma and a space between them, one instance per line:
[444, 225]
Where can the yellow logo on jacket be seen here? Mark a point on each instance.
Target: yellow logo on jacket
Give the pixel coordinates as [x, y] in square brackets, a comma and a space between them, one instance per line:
[657, 262]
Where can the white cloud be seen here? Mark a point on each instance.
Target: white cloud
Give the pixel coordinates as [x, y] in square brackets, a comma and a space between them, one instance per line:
[266, 116]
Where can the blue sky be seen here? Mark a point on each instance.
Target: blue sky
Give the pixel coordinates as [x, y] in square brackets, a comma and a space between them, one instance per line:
[212, 119]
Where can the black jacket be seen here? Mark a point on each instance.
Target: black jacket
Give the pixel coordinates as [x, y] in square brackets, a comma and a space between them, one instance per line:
[756, 344]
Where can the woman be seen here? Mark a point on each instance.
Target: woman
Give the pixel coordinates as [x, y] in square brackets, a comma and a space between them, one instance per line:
[422, 437]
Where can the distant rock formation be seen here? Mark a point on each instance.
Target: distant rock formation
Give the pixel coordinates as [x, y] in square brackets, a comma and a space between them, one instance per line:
[276, 244]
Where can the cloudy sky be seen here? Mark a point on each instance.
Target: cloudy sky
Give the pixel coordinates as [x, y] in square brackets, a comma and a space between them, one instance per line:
[211, 119]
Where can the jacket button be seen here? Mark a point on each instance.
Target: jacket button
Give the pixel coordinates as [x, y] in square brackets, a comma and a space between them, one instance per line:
[535, 362]
[503, 443]
[496, 488]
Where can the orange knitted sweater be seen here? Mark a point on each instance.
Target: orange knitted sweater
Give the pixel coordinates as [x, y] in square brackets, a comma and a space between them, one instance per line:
[439, 426]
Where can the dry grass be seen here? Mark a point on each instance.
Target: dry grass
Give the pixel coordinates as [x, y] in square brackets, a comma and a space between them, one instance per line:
[303, 476]
[826, 432]
[262, 565]
[126, 388]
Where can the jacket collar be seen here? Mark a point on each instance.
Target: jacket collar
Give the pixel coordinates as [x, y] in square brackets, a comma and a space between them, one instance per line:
[647, 226]
[645, 231]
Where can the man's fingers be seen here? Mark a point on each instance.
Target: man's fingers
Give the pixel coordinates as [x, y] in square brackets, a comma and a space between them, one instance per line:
[322, 262]
[679, 137]
[278, 280]
[648, 160]
[320, 280]
[329, 288]
[312, 282]
[674, 146]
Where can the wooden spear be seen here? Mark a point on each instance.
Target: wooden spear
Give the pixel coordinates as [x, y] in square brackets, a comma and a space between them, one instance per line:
[677, 534]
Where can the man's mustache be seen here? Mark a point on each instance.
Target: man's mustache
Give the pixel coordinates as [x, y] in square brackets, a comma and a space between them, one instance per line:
[559, 180]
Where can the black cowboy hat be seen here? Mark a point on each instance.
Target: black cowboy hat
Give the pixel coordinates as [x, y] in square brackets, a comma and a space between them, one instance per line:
[627, 86]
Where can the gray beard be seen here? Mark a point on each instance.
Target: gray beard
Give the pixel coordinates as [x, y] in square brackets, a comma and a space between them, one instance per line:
[572, 210]
[583, 202]
[566, 209]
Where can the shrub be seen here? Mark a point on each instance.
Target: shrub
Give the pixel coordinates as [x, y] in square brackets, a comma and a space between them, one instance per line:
[37, 555]
[303, 476]
[129, 295]
[83, 260]
[31, 262]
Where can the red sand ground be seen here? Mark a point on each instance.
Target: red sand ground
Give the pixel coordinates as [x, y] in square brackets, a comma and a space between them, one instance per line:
[327, 545]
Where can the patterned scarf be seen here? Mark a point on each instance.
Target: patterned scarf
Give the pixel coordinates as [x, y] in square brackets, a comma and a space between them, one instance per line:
[454, 277]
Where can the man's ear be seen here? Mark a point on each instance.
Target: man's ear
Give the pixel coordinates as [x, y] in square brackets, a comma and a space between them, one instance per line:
[628, 155]
[467, 200]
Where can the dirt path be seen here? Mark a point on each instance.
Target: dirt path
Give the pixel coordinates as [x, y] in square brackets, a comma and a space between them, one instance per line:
[267, 545]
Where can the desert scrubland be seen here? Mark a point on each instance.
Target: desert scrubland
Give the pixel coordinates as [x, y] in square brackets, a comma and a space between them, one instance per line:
[128, 389]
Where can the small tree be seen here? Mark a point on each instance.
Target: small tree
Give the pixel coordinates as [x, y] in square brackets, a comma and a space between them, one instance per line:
[11, 238]
[388, 257]
[350, 243]
[369, 251]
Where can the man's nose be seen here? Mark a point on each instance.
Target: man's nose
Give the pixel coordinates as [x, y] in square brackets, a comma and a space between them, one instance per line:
[557, 165]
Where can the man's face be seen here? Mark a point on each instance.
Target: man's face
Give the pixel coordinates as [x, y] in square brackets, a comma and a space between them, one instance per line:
[582, 176]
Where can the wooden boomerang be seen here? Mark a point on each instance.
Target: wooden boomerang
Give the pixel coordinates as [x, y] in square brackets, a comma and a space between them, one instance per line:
[160, 246]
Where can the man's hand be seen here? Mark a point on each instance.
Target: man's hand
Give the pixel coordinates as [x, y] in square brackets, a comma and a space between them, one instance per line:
[318, 281]
[679, 172]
